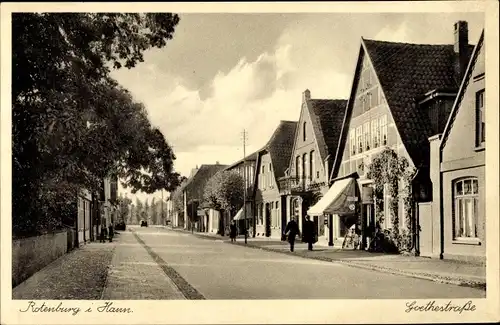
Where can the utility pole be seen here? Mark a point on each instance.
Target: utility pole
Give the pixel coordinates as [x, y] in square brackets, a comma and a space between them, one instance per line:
[245, 134]
[162, 217]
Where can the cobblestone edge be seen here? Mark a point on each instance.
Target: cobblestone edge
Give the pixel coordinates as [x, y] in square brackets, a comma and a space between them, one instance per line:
[424, 276]
[184, 287]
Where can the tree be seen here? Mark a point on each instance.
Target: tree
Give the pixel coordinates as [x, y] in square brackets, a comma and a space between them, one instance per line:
[178, 196]
[154, 212]
[224, 191]
[124, 208]
[139, 210]
[71, 123]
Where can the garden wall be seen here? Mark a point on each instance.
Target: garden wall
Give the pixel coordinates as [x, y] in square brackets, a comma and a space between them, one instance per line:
[31, 254]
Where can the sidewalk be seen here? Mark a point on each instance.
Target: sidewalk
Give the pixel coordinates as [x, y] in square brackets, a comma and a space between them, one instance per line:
[445, 271]
[121, 270]
[133, 274]
[80, 274]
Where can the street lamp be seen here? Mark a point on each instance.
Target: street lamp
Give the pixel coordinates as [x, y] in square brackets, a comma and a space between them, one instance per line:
[245, 186]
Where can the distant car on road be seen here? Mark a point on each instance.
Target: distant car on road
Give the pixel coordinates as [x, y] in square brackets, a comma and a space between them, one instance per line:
[144, 223]
[120, 226]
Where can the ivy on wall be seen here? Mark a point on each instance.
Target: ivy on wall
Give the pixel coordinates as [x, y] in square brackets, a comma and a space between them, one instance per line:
[396, 173]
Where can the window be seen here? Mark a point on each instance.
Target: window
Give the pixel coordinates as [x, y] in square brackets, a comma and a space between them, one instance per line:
[277, 223]
[304, 131]
[465, 192]
[480, 125]
[375, 134]
[311, 164]
[304, 167]
[352, 138]
[261, 214]
[359, 138]
[297, 167]
[366, 135]
[383, 129]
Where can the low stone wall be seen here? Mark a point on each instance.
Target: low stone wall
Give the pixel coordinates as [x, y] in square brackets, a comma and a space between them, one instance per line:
[31, 254]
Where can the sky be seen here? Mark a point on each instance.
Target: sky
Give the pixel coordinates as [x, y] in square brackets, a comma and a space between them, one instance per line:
[222, 73]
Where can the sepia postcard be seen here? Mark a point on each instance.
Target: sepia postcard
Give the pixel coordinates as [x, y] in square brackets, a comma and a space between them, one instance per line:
[246, 163]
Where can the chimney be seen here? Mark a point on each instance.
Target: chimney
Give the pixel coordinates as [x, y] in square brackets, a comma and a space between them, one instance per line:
[306, 95]
[217, 162]
[461, 47]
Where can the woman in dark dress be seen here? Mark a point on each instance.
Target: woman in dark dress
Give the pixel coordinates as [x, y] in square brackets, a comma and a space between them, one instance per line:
[232, 231]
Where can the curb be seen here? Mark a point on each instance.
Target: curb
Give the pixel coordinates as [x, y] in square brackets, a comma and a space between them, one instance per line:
[430, 277]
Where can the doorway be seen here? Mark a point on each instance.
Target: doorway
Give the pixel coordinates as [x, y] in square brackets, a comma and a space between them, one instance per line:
[268, 220]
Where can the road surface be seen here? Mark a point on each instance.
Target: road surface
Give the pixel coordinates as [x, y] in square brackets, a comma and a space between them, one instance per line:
[210, 269]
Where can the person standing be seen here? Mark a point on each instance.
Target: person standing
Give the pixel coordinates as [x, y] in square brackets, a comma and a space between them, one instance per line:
[292, 229]
[103, 234]
[232, 231]
[110, 232]
[309, 233]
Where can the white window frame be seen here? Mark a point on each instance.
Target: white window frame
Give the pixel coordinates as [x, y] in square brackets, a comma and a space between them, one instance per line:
[460, 217]
[480, 118]
[375, 137]
[353, 146]
[366, 136]
[383, 130]
[359, 139]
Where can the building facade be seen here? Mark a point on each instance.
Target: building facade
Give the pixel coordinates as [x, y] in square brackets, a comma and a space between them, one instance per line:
[454, 226]
[246, 169]
[316, 139]
[195, 217]
[396, 103]
[270, 205]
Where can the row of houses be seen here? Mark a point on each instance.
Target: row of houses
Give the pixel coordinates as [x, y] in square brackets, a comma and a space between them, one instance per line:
[425, 103]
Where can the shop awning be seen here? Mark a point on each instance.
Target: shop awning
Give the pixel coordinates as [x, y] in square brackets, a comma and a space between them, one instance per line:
[239, 215]
[340, 199]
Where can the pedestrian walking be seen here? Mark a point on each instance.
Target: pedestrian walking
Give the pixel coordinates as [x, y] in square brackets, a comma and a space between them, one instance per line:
[292, 230]
[309, 233]
[110, 232]
[103, 234]
[232, 231]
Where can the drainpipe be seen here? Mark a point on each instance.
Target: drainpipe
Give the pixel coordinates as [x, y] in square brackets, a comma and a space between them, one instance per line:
[414, 221]
[441, 209]
[327, 181]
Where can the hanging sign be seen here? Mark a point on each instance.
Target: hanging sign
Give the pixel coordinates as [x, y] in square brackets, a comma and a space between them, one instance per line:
[352, 207]
[352, 199]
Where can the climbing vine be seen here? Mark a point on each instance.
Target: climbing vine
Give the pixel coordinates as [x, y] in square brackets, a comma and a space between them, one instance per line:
[387, 169]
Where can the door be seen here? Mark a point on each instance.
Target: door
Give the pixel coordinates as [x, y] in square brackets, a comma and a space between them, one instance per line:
[268, 220]
[425, 239]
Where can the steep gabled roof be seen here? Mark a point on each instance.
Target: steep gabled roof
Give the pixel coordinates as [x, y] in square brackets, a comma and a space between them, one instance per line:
[252, 157]
[463, 88]
[280, 147]
[196, 184]
[406, 72]
[327, 116]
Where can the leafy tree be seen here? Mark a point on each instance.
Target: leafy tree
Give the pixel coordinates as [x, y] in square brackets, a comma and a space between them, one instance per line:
[154, 211]
[225, 191]
[178, 197]
[71, 123]
[124, 207]
[139, 209]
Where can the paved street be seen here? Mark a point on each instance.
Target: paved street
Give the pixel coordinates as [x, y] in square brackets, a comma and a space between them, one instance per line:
[212, 269]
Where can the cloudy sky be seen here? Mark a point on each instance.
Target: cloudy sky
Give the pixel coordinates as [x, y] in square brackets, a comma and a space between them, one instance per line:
[222, 73]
